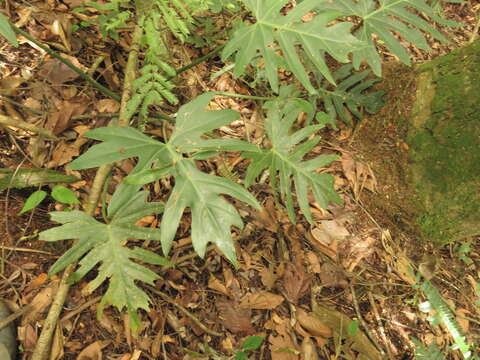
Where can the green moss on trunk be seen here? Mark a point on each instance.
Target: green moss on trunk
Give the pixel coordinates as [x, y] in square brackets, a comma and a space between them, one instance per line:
[444, 139]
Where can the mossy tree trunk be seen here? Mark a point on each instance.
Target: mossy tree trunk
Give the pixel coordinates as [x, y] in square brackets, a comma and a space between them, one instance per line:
[425, 147]
[444, 138]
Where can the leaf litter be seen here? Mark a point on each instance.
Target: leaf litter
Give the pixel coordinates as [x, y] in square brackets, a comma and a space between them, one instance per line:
[303, 306]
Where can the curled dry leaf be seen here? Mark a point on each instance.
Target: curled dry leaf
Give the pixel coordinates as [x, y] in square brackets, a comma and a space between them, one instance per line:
[313, 325]
[235, 318]
[93, 351]
[57, 73]
[262, 300]
[268, 277]
[40, 303]
[295, 282]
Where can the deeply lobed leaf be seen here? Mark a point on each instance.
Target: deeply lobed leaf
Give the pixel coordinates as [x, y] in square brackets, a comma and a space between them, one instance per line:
[284, 159]
[104, 245]
[212, 215]
[383, 18]
[289, 31]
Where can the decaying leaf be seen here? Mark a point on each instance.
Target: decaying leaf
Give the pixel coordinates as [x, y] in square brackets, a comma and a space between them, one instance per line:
[262, 300]
[313, 325]
[295, 282]
[234, 317]
[339, 323]
[93, 351]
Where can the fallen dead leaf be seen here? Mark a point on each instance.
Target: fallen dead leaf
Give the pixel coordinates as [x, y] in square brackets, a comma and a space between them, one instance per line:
[295, 282]
[40, 303]
[235, 318]
[93, 351]
[262, 300]
[268, 277]
[313, 325]
[57, 73]
[215, 284]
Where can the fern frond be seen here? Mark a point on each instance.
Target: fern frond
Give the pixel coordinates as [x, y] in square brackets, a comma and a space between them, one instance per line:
[446, 317]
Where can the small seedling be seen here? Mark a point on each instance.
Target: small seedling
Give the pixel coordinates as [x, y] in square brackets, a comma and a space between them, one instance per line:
[252, 343]
[59, 193]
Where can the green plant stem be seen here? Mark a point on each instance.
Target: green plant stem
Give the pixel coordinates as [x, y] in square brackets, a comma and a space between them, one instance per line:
[82, 74]
[43, 344]
[198, 61]
[241, 96]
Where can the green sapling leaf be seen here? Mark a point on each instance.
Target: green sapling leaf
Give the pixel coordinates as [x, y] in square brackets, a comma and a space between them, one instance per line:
[33, 201]
[64, 195]
[252, 343]
[6, 30]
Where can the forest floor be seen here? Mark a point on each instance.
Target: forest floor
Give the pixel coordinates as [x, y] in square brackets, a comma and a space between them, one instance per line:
[352, 265]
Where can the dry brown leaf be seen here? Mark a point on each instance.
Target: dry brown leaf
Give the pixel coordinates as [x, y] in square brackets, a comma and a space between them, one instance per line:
[93, 351]
[282, 346]
[262, 300]
[268, 277]
[40, 303]
[107, 106]
[295, 282]
[215, 284]
[57, 72]
[331, 276]
[314, 326]
[234, 318]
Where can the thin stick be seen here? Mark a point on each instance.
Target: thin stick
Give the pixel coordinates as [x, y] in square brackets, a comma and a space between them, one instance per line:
[364, 324]
[11, 248]
[8, 121]
[12, 317]
[79, 309]
[184, 311]
[380, 325]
